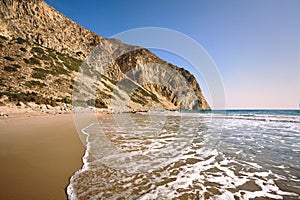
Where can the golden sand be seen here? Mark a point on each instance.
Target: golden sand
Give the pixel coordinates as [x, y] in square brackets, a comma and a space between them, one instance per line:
[38, 155]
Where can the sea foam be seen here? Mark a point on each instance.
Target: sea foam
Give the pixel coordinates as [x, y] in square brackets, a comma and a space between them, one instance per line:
[190, 155]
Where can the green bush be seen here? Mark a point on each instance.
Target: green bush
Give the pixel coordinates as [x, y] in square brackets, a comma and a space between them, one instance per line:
[104, 95]
[67, 100]
[34, 83]
[100, 104]
[25, 97]
[23, 49]
[37, 50]
[20, 40]
[10, 69]
[71, 63]
[39, 73]
[79, 53]
[26, 60]
[1, 82]
[107, 86]
[139, 101]
[9, 58]
[148, 93]
[114, 82]
[72, 67]
[61, 70]
[58, 81]
[16, 66]
[51, 53]
[53, 103]
[32, 60]
[154, 97]
[3, 38]
[44, 57]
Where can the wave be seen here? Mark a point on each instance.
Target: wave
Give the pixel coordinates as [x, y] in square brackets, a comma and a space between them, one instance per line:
[272, 116]
[133, 156]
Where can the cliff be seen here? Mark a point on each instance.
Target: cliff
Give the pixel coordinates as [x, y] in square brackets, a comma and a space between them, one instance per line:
[43, 54]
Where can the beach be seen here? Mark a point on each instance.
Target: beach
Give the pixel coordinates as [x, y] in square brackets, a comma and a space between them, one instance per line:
[38, 156]
[40, 153]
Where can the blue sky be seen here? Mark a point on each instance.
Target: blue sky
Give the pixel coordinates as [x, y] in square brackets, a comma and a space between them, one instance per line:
[254, 43]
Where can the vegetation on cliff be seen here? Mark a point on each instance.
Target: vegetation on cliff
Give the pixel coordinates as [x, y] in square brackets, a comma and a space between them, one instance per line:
[42, 52]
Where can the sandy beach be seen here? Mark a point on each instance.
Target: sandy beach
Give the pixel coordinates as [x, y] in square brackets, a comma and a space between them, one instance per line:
[38, 155]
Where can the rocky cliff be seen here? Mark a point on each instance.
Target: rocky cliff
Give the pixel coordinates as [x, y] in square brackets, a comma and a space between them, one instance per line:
[44, 56]
[37, 22]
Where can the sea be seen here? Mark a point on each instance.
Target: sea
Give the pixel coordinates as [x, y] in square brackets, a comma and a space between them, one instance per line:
[220, 154]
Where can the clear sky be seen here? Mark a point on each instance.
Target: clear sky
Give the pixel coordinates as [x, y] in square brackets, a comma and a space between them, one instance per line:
[254, 43]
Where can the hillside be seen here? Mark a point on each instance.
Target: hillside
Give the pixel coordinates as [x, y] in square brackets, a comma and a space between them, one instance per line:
[43, 53]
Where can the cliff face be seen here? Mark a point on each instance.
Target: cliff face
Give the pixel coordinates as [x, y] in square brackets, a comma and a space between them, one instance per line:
[36, 21]
[167, 81]
[42, 51]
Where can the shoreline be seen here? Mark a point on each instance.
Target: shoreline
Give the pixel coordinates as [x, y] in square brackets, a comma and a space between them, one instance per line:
[40, 153]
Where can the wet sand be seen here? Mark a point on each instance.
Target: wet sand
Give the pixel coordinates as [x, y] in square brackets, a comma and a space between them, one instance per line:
[38, 155]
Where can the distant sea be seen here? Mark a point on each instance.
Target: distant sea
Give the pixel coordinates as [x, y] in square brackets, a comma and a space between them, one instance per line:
[232, 154]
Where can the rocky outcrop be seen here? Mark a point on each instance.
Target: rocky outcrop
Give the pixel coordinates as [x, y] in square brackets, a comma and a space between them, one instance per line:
[167, 81]
[36, 21]
[44, 56]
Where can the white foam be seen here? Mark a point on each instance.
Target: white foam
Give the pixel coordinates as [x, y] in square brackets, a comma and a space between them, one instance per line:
[141, 150]
[70, 190]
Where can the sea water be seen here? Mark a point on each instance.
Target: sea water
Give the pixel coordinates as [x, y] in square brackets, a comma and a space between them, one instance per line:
[241, 154]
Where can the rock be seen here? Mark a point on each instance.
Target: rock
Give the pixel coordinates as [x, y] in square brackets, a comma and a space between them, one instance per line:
[36, 21]
[3, 114]
[51, 48]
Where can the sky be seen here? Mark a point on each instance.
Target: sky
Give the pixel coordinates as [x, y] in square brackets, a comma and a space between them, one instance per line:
[255, 44]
